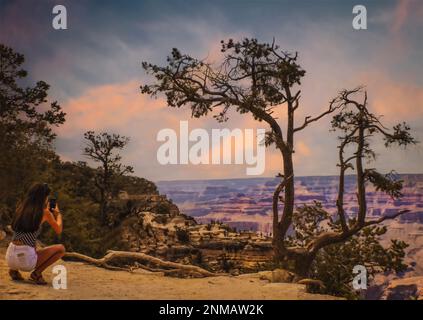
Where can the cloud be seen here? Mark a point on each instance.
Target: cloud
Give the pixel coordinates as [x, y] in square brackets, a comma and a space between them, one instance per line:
[401, 13]
[95, 73]
[302, 149]
[106, 107]
[121, 108]
[395, 100]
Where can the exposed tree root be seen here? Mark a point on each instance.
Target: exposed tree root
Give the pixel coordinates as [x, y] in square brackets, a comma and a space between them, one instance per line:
[128, 261]
[312, 283]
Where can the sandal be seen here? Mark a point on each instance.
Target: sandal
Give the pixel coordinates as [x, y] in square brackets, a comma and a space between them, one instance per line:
[15, 275]
[37, 278]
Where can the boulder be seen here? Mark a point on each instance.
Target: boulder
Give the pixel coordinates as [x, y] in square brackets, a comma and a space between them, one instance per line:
[277, 276]
[402, 292]
[265, 275]
[282, 275]
[404, 289]
[248, 247]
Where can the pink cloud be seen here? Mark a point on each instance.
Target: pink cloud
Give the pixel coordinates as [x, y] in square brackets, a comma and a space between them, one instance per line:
[112, 106]
[393, 99]
[401, 13]
[123, 109]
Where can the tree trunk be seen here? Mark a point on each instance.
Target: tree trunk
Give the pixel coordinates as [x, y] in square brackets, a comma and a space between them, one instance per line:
[280, 228]
[298, 262]
[103, 214]
[288, 208]
[302, 264]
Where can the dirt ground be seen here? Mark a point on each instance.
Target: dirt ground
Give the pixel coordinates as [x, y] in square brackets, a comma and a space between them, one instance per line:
[89, 282]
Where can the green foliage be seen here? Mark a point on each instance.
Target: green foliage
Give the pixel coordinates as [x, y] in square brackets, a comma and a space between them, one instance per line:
[134, 185]
[182, 235]
[354, 115]
[198, 258]
[226, 264]
[162, 219]
[308, 223]
[336, 246]
[102, 149]
[162, 208]
[27, 119]
[251, 78]
[334, 264]
[83, 231]
[387, 183]
[25, 111]
[401, 136]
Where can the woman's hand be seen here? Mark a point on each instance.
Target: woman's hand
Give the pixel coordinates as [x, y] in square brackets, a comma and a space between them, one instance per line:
[56, 211]
[54, 219]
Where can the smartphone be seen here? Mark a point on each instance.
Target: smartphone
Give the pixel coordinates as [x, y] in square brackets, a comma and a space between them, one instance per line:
[53, 201]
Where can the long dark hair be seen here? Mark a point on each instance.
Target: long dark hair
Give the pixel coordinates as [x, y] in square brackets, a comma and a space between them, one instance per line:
[30, 210]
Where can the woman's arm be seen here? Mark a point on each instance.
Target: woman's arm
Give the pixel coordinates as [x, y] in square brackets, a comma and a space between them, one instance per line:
[54, 219]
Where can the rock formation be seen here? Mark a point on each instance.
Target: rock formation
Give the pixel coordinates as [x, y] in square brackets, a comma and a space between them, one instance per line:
[404, 289]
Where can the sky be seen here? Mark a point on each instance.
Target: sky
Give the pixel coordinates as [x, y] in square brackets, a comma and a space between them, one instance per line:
[94, 69]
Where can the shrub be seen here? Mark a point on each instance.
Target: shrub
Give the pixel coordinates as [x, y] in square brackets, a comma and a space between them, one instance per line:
[182, 235]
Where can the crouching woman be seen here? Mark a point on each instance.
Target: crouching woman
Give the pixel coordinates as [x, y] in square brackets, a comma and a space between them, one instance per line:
[30, 215]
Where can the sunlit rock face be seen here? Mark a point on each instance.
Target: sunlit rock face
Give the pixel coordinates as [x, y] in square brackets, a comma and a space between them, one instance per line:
[410, 288]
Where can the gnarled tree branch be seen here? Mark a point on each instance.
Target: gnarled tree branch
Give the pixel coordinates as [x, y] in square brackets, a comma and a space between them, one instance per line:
[114, 260]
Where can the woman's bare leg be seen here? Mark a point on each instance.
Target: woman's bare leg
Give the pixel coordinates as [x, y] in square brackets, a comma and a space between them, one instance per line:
[15, 275]
[47, 256]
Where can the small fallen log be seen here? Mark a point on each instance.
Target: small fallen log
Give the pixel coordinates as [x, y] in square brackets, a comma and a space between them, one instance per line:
[312, 284]
[114, 260]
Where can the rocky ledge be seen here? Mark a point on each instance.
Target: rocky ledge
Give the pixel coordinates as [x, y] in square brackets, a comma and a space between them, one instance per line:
[404, 289]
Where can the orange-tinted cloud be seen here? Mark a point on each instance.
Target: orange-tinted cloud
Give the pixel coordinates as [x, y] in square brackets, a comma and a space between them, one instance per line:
[121, 108]
[393, 99]
[112, 106]
[401, 13]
